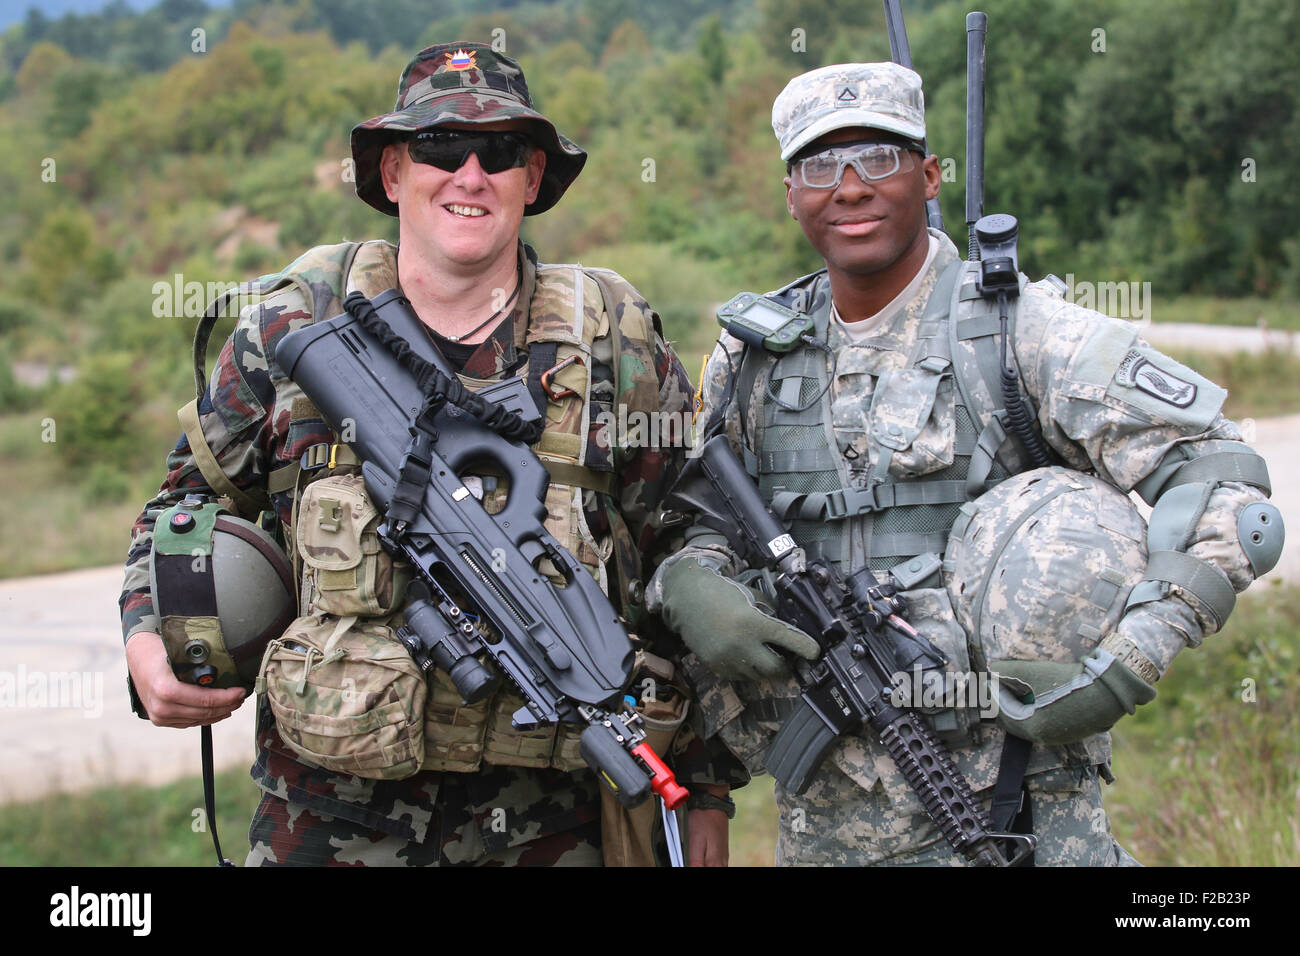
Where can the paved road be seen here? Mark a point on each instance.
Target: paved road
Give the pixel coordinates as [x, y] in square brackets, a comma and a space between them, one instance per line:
[67, 724]
[65, 721]
[1218, 338]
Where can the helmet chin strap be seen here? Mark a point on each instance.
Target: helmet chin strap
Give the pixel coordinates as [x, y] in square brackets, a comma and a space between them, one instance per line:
[209, 792]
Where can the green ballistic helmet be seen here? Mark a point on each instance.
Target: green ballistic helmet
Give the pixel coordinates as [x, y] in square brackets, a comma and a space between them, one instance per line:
[1039, 567]
[222, 589]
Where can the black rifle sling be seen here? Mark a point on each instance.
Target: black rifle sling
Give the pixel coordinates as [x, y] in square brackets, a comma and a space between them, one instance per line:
[434, 383]
[416, 469]
[541, 359]
[1011, 811]
[438, 389]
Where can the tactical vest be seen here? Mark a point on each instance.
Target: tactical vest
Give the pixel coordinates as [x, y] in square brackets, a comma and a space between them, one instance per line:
[889, 523]
[571, 307]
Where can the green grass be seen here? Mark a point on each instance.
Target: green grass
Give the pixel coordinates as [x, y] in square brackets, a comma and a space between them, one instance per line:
[1209, 773]
[1260, 385]
[753, 831]
[129, 826]
[57, 518]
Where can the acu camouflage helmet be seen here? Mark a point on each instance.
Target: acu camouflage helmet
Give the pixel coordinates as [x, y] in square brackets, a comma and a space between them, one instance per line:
[462, 83]
[1039, 568]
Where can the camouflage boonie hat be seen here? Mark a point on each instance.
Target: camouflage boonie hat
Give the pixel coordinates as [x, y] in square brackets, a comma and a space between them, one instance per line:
[462, 83]
[882, 96]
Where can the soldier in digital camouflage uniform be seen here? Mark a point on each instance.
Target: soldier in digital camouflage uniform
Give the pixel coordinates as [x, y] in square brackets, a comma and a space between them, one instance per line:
[873, 445]
[488, 795]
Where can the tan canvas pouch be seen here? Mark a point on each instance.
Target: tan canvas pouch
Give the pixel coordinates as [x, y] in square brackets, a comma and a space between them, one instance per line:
[506, 746]
[453, 731]
[346, 696]
[345, 569]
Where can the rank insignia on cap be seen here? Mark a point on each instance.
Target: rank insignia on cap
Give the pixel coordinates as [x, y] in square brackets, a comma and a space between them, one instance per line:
[460, 60]
[846, 95]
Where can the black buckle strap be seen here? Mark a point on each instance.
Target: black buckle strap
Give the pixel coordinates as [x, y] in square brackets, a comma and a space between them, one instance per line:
[843, 502]
[1011, 811]
[315, 457]
[416, 468]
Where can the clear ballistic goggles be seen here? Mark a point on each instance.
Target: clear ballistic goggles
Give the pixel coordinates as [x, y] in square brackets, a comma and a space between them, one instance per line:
[871, 160]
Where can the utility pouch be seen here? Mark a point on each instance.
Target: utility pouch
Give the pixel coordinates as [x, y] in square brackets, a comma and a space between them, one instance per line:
[345, 569]
[453, 730]
[346, 696]
[505, 746]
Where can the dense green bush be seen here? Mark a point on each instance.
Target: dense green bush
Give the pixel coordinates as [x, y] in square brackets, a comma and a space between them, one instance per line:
[94, 415]
[13, 396]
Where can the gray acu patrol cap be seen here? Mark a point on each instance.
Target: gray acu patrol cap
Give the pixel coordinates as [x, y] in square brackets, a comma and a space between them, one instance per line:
[882, 96]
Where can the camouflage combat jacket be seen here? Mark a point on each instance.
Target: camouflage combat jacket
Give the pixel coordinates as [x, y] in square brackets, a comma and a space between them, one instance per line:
[1068, 359]
[258, 424]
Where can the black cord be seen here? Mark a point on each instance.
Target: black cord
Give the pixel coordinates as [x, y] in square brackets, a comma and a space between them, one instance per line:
[718, 420]
[1017, 414]
[437, 386]
[209, 786]
[808, 340]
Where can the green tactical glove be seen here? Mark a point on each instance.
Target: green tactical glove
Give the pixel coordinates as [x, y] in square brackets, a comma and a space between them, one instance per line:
[1053, 703]
[719, 620]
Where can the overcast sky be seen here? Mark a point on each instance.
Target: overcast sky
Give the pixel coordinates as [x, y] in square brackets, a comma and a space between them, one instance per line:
[14, 11]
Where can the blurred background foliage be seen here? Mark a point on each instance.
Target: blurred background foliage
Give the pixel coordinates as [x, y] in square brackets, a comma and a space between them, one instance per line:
[1145, 140]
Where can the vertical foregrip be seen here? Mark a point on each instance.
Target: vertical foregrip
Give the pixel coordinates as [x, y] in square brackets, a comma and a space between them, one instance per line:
[944, 792]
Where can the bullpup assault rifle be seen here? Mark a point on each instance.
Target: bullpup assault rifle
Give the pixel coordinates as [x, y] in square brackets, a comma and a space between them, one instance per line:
[380, 383]
[864, 640]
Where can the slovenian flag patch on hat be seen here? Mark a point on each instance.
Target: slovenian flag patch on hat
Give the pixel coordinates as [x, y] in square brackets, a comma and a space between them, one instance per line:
[460, 60]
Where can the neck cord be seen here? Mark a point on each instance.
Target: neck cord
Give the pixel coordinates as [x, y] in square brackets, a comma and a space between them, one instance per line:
[519, 281]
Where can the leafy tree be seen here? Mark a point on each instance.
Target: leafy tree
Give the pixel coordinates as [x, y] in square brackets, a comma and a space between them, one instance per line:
[75, 92]
[42, 64]
[713, 50]
[819, 23]
[602, 18]
[96, 413]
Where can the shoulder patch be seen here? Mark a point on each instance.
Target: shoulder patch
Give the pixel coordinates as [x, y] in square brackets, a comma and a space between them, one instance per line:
[1136, 371]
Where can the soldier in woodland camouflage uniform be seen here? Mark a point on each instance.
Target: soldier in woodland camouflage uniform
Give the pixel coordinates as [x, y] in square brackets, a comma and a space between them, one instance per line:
[459, 161]
[874, 444]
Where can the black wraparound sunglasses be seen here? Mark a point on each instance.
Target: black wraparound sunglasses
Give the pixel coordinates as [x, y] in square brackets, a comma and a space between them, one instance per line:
[448, 149]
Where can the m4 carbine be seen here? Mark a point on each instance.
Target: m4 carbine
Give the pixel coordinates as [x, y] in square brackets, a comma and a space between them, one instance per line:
[380, 383]
[865, 641]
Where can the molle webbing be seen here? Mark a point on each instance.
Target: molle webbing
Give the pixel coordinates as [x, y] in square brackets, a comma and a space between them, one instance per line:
[801, 471]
